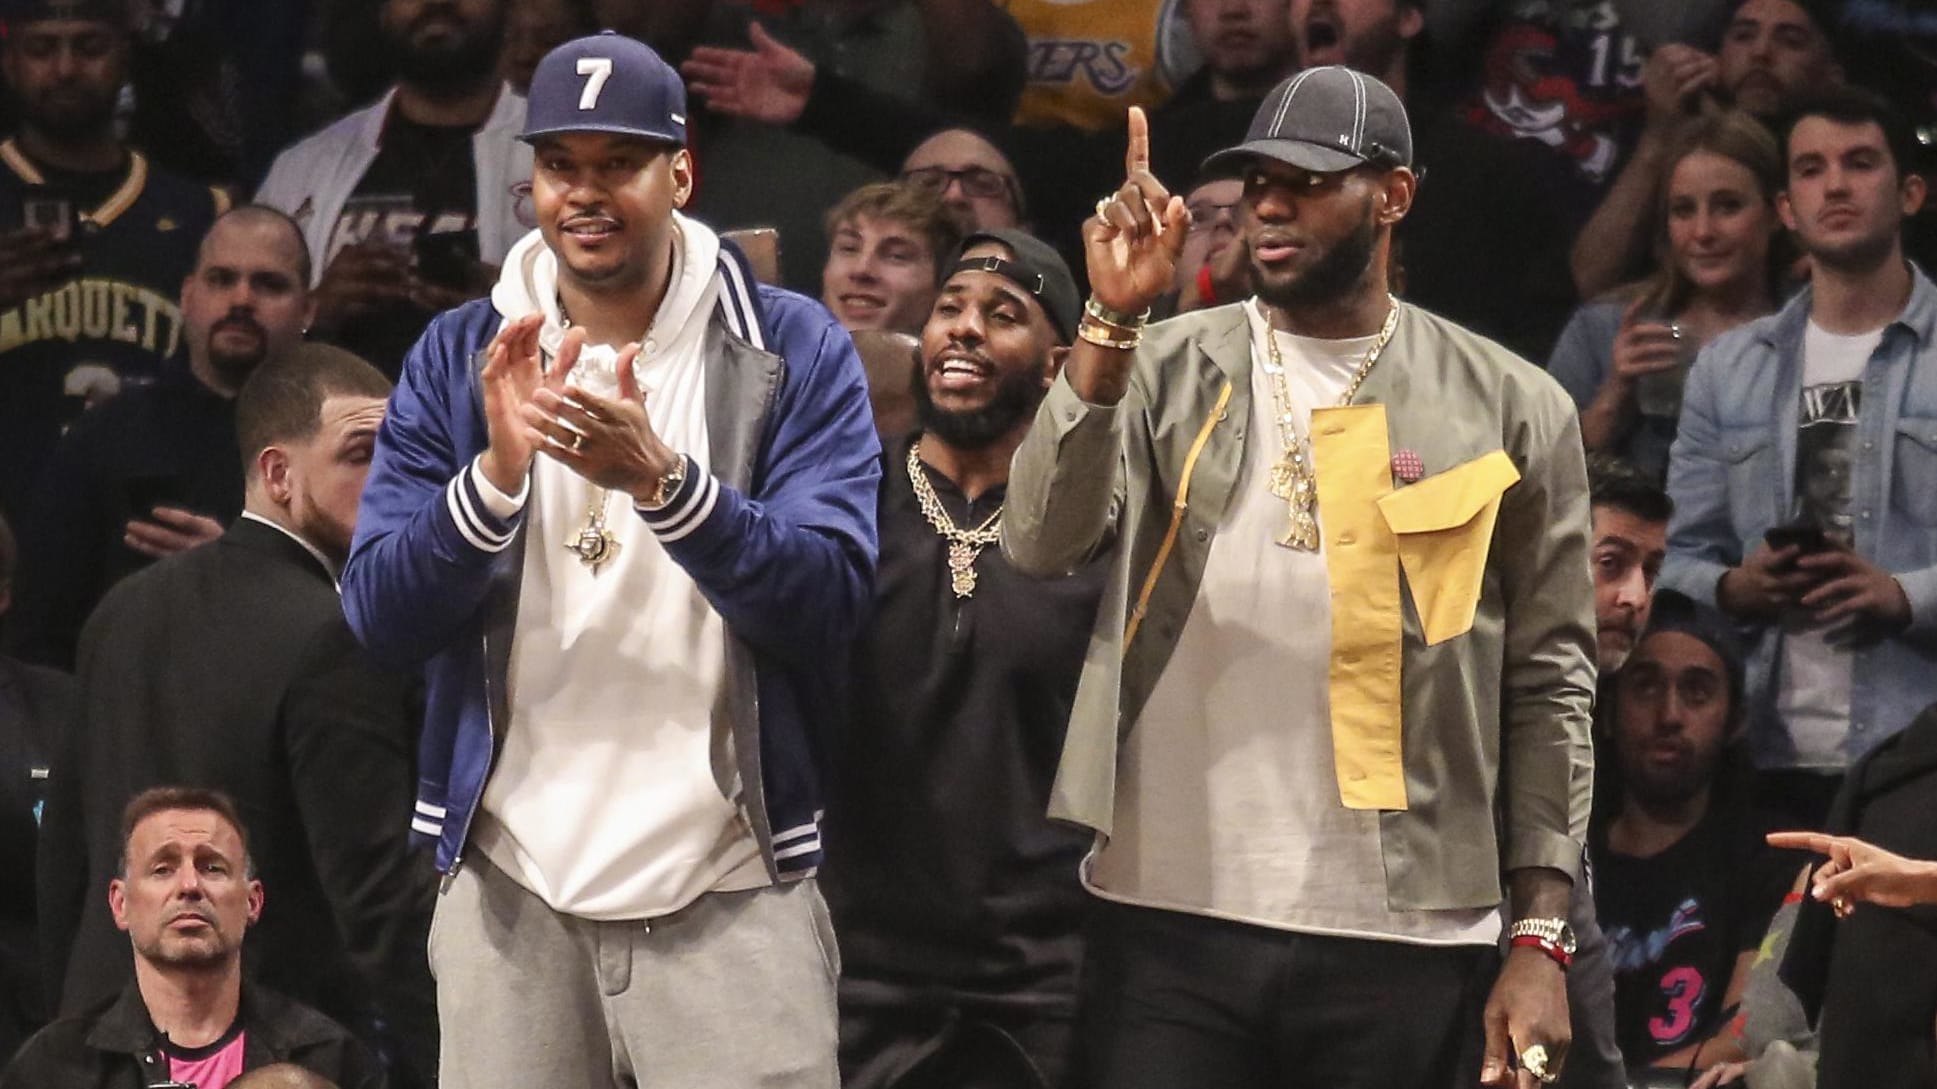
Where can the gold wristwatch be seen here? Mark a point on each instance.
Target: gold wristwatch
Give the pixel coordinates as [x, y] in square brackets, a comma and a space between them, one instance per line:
[669, 484]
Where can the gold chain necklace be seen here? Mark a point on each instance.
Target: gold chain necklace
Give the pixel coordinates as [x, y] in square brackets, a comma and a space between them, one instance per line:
[964, 545]
[1294, 478]
[593, 543]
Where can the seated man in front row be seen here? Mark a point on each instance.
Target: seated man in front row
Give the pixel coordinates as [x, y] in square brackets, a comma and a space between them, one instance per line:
[185, 895]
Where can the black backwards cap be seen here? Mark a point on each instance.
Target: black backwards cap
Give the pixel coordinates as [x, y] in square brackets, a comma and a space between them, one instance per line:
[1676, 612]
[1035, 267]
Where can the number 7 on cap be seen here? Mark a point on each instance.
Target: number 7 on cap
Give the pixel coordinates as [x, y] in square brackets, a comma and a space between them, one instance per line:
[599, 69]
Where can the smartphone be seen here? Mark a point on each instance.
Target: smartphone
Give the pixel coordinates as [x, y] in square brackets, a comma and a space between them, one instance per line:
[55, 215]
[1807, 537]
[150, 490]
[448, 258]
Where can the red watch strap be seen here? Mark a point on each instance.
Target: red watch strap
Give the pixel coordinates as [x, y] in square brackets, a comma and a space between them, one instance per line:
[1553, 950]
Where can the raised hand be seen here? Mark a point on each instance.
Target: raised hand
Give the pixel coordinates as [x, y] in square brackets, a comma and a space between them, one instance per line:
[33, 261]
[609, 441]
[1643, 346]
[168, 530]
[1132, 243]
[512, 373]
[361, 280]
[769, 82]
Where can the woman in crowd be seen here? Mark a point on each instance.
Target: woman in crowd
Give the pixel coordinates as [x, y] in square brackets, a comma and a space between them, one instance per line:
[1623, 357]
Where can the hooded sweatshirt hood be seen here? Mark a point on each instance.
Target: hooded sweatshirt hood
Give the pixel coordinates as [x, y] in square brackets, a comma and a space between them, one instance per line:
[528, 284]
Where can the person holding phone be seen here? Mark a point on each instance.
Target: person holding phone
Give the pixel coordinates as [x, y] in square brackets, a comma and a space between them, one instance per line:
[94, 238]
[409, 203]
[1805, 471]
[153, 472]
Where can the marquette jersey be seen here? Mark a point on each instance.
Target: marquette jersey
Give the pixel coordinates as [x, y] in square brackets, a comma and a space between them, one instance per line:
[1091, 60]
[116, 321]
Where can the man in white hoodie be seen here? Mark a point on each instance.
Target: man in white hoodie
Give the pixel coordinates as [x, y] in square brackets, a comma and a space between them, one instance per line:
[625, 509]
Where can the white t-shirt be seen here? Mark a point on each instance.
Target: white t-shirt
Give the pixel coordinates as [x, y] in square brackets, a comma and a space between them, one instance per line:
[1814, 678]
[1227, 798]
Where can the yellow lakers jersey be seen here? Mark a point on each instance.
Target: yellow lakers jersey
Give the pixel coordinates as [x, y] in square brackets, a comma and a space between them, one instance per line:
[1091, 60]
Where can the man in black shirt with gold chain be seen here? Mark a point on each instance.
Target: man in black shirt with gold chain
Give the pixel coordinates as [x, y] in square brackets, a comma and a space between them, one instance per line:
[955, 899]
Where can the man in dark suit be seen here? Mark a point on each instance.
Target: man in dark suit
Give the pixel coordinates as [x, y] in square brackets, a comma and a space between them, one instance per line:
[230, 666]
[34, 702]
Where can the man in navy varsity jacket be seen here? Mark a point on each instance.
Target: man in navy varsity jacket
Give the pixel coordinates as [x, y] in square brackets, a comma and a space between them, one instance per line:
[624, 509]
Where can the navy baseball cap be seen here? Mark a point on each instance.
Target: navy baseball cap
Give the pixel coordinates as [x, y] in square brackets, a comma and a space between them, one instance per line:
[606, 83]
[1324, 120]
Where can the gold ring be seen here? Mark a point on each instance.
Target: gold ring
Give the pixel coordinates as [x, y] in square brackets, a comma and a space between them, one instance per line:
[1534, 1061]
[578, 441]
[1841, 906]
[1102, 206]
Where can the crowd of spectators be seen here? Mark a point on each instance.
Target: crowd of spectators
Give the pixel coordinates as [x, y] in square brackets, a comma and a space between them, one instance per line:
[224, 225]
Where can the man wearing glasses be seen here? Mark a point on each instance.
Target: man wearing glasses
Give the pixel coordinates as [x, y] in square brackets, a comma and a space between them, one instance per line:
[972, 176]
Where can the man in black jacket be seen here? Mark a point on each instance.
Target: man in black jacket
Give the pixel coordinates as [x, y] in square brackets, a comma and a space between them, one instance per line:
[186, 893]
[230, 666]
[34, 704]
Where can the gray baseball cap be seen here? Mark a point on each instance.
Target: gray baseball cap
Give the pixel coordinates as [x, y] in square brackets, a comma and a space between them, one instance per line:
[1324, 120]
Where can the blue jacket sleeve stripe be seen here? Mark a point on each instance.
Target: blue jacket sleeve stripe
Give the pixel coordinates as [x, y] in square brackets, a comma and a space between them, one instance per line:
[806, 847]
[685, 513]
[467, 509]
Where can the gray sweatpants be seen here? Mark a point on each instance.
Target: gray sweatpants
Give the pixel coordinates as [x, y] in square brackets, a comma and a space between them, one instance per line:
[736, 989]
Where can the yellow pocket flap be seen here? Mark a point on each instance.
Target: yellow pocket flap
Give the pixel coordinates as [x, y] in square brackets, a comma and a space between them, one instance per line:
[1444, 529]
[1450, 499]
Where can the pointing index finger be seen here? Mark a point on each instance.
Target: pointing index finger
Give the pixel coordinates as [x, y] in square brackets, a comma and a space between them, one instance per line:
[1802, 841]
[1137, 159]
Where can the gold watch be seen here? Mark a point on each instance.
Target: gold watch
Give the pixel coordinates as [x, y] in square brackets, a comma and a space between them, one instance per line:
[669, 485]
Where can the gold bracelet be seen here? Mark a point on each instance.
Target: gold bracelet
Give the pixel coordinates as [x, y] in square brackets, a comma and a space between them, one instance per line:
[1126, 322]
[1103, 337]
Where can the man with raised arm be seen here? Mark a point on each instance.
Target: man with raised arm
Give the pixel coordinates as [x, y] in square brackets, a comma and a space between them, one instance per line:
[1338, 698]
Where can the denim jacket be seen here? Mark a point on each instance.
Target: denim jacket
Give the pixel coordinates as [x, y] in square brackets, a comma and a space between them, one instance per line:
[1732, 474]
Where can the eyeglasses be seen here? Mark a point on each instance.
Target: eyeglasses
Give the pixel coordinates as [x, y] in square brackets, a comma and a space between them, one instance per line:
[1206, 215]
[976, 181]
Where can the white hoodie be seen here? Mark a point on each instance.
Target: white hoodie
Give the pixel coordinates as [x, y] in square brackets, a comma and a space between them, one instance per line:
[615, 795]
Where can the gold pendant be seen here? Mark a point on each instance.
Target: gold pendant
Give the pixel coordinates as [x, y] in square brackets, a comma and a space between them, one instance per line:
[594, 546]
[961, 568]
[1293, 481]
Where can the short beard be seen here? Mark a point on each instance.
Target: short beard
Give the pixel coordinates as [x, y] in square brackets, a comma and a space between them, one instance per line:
[1611, 661]
[235, 369]
[198, 957]
[72, 126]
[1015, 401]
[1865, 255]
[467, 59]
[1332, 277]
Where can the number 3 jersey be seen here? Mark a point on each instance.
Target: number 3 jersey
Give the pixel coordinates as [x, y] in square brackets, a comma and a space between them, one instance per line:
[1676, 923]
